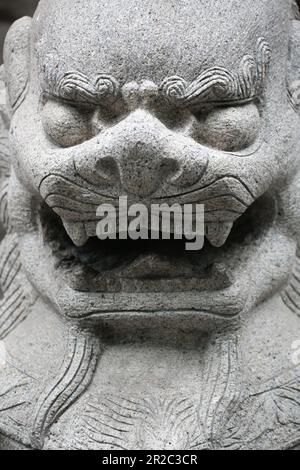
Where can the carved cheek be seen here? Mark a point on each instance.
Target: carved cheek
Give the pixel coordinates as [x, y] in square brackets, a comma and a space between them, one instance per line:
[66, 125]
[229, 129]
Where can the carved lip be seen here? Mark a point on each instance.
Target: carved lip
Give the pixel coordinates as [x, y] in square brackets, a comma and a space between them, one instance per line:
[89, 265]
[225, 198]
[153, 267]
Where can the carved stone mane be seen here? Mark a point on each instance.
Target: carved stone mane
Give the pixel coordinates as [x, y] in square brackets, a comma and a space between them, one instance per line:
[141, 344]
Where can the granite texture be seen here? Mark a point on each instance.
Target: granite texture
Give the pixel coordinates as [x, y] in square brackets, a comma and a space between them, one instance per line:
[127, 345]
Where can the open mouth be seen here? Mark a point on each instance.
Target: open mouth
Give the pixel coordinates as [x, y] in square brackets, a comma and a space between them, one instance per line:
[157, 266]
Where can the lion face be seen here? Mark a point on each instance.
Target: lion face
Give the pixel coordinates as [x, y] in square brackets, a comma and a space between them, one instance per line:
[129, 104]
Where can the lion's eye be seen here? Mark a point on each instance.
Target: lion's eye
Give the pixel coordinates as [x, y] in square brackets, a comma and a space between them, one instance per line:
[66, 125]
[104, 118]
[229, 129]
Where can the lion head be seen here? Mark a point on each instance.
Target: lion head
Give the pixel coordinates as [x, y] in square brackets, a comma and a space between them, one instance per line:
[157, 115]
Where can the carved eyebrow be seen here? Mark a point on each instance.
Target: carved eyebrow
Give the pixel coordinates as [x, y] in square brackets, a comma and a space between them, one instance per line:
[76, 87]
[218, 85]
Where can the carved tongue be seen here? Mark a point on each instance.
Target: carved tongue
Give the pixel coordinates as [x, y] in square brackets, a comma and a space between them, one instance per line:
[218, 233]
[154, 266]
[76, 232]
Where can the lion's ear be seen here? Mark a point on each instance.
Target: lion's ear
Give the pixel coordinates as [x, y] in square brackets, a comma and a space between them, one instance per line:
[16, 61]
[293, 72]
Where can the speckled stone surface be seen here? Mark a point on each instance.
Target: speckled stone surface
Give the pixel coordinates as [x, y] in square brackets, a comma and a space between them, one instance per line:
[128, 345]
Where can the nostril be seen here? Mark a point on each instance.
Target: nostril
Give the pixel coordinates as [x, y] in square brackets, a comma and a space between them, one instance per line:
[168, 167]
[191, 169]
[108, 169]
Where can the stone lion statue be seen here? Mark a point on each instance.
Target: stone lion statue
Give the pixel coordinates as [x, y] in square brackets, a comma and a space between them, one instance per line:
[123, 344]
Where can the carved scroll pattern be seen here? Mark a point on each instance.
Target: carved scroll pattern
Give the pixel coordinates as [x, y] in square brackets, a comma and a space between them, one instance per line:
[223, 417]
[217, 84]
[269, 418]
[174, 421]
[16, 300]
[4, 153]
[14, 305]
[73, 379]
[15, 405]
[77, 87]
[83, 347]
[221, 391]
[291, 295]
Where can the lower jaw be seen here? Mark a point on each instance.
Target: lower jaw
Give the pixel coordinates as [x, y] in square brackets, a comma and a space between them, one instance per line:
[256, 280]
[259, 269]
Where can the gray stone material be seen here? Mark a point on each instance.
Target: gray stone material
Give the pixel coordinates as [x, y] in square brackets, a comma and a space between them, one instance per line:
[131, 345]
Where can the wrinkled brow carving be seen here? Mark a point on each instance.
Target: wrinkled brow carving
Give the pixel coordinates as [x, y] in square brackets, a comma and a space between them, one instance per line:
[78, 88]
[214, 85]
[217, 84]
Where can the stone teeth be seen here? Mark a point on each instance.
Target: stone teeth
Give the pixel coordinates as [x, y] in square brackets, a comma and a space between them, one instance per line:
[217, 233]
[76, 232]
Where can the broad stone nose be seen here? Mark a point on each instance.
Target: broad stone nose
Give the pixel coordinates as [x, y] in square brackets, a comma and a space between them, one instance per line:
[144, 166]
[140, 155]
